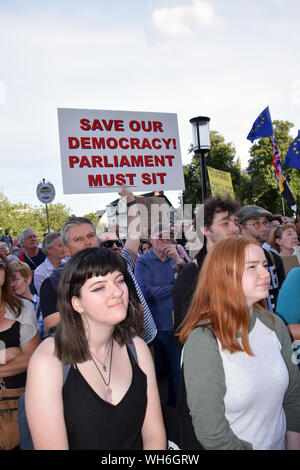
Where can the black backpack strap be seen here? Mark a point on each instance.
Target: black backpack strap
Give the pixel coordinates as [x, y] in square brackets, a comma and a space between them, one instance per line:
[66, 369]
[132, 349]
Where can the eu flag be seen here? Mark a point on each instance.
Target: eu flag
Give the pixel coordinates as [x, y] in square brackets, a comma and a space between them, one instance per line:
[293, 156]
[262, 126]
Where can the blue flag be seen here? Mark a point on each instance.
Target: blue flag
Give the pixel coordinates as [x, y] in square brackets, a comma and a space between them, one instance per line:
[262, 126]
[293, 156]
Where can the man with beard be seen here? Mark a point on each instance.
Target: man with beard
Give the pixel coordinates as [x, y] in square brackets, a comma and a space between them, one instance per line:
[218, 221]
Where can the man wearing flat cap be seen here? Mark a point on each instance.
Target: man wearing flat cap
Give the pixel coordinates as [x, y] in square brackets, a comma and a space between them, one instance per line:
[256, 222]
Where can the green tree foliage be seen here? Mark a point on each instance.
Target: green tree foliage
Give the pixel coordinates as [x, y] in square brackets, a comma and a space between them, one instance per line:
[222, 156]
[256, 185]
[93, 218]
[100, 226]
[261, 187]
[17, 216]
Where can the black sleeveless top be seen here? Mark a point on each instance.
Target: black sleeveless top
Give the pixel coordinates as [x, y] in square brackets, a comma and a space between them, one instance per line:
[11, 339]
[94, 424]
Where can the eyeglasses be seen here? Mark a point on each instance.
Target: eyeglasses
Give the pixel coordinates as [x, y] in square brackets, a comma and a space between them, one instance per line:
[260, 224]
[278, 226]
[110, 243]
[31, 237]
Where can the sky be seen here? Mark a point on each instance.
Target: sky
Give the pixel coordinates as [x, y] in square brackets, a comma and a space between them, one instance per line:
[225, 59]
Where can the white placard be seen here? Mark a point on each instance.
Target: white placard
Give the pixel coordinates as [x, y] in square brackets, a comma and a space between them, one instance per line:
[101, 150]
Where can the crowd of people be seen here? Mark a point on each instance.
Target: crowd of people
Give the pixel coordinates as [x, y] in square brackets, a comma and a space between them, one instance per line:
[92, 325]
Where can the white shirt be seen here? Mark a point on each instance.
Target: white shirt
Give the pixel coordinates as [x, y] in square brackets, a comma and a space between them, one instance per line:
[41, 272]
[28, 320]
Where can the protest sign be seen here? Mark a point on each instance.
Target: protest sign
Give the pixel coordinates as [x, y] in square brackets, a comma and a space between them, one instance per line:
[101, 150]
[45, 192]
[220, 182]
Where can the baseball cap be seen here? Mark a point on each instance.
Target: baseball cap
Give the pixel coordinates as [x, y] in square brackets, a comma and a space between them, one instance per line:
[252, 212]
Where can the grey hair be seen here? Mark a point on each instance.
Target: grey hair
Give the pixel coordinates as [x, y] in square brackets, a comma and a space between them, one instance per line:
[23, 234]
[73, 221]
[5, 245]
[49, 241]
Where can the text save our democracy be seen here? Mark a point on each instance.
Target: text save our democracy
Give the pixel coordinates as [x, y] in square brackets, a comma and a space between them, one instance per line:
[123, 143]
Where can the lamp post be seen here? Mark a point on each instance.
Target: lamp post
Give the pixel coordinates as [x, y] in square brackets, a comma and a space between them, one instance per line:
[201, 145]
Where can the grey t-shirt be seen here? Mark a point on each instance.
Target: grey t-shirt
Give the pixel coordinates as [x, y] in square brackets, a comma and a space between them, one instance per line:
[239, 401]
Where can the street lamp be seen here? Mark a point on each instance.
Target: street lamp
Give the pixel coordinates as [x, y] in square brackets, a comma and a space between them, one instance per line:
[201, 145]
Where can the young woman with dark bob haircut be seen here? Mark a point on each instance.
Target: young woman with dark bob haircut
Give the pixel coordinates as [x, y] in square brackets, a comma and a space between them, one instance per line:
[242, 385]
[107, 400]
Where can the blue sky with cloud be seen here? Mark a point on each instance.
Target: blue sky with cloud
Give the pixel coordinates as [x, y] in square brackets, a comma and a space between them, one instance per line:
[226, 59]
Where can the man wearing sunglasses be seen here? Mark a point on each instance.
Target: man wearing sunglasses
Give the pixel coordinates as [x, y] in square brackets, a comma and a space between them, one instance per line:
[256, 222]
[115, 245]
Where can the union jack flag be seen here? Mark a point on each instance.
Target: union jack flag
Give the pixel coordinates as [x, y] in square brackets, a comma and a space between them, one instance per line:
[282, 183]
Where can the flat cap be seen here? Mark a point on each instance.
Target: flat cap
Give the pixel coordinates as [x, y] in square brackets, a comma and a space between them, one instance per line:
[252, 212]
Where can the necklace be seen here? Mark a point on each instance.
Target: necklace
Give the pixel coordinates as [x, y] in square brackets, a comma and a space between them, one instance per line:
[107, 384]
[98, 359]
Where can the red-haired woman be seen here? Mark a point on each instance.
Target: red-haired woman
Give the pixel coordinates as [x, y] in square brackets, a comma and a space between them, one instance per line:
[19, 336]
[243, 389]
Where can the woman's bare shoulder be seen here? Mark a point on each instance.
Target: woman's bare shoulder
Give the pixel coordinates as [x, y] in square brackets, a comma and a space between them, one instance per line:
[45, 353]
[143, 352]
[44, 367]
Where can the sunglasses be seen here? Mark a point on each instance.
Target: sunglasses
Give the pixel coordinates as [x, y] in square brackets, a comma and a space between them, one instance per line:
[110, 243]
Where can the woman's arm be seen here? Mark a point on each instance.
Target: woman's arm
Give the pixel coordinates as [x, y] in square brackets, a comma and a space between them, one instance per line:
[10, 353]
[294, 330]
[17, 363]
[43, 399]
[133, 223]
[292, 440]
[153, 431]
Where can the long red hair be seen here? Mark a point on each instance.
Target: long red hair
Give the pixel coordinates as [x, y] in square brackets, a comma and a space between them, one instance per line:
[219, 300]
